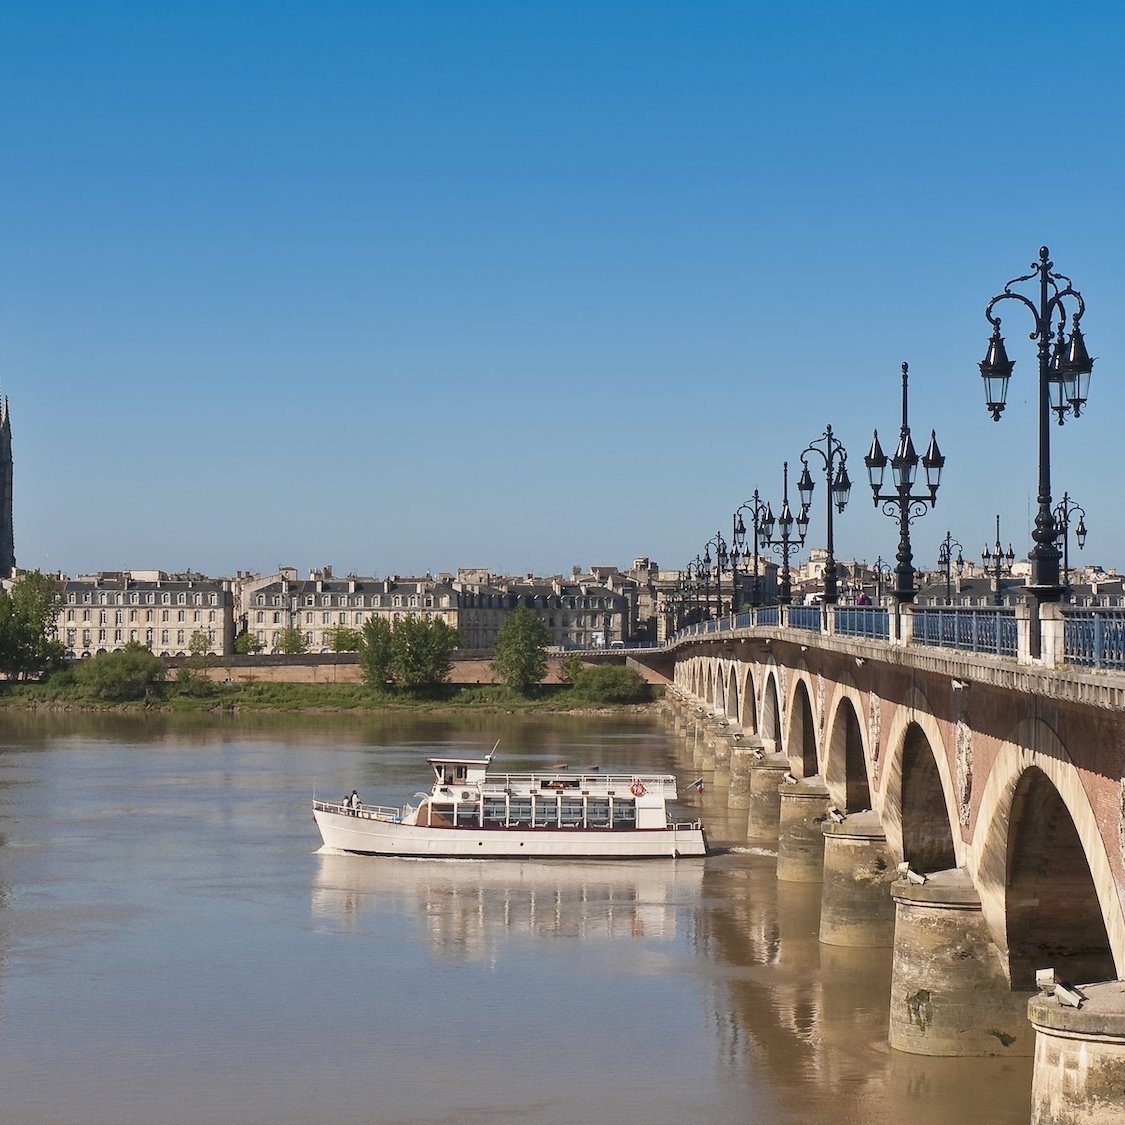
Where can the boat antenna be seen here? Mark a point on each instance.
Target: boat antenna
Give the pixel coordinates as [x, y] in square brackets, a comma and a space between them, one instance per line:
[492, 751]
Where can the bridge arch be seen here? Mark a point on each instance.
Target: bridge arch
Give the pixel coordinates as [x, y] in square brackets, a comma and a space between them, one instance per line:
[800, 745]
[730, 692]
[1046, 883]
[770, 732]
[845, 757]
[917, 795]
[748, 715]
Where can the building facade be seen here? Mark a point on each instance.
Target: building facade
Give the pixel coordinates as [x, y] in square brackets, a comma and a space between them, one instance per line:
[106, 611]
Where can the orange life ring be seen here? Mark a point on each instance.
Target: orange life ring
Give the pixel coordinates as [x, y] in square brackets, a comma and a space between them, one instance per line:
[638, 788]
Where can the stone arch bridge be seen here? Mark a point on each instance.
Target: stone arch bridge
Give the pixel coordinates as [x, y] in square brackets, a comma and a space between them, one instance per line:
[965, 808]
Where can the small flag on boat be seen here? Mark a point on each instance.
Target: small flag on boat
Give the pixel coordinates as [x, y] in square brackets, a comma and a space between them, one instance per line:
[697, 785]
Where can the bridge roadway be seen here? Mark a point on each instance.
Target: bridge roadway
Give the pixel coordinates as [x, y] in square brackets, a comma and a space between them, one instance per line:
[999, 781]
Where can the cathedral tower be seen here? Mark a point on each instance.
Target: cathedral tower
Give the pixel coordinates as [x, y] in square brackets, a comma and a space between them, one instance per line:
[7, 537]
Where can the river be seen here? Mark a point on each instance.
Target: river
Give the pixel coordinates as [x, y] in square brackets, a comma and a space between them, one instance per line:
[174, 950]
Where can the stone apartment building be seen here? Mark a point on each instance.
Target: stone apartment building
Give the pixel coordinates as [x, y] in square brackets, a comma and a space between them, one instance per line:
[106, 611]
[321, 603]
[584, 613]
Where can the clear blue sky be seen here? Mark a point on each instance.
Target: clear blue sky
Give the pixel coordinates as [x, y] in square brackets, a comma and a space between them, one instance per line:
[410, 286]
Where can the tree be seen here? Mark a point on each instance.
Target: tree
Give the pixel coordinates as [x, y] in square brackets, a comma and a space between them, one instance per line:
[290, 641]
[131, 672]
[375, 654]
[415, 652]
[610, 683]
[521, 650]
[342, 639]
[423, 650]
[246, 644]
[28, 614]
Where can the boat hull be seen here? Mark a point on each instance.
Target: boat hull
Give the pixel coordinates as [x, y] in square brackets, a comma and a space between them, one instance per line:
[364, 835]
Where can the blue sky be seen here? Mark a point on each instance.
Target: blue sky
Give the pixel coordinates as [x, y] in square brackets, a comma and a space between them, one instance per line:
[410, 286]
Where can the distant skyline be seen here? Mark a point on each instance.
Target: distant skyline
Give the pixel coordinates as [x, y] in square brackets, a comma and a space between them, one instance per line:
[400, 287]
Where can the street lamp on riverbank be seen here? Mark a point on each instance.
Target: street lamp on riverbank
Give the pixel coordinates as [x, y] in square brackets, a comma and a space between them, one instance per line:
[1064, 381]
[837, 490]
[785, 544]
[901, 502]
[997, 563]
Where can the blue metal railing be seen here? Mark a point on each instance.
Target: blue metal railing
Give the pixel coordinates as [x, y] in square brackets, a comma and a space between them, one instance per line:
[974, 630]
[869, 621]
[805, 617]
[1094, 638]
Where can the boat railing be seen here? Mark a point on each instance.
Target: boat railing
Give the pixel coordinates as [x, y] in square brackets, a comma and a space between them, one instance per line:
[365, 812]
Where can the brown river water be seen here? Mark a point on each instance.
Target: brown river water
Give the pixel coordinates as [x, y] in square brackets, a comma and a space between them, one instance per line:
[175, 949]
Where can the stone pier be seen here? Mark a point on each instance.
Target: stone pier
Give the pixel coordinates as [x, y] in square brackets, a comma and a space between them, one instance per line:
[800, 838]
[856, 907]
[1079, 1075]
[949, 995]
[764, 806]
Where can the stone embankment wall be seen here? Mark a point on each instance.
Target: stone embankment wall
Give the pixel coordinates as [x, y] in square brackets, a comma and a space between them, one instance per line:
[330, 668]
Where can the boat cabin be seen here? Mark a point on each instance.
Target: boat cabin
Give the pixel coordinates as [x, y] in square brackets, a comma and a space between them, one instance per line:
[459, 771]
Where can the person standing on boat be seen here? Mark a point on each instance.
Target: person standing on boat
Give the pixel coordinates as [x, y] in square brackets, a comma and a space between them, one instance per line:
[356, 803]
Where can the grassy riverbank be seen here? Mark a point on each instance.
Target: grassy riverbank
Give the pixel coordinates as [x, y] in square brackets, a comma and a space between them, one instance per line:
[203, 696]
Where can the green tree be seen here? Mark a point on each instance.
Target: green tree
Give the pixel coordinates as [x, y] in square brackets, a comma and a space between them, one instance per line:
[610, 683]
[376, 655]
[570, 666]
[520, 658]
[28, 615]
[422, 649]
[128, 673]
[246, 644]
[290, 641]
[342, 639]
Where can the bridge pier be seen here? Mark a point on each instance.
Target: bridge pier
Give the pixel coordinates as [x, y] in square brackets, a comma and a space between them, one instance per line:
[764, 814]
[949, 995]
[800, 839]
[738, 791]
[1079, 1074]
[856, 907]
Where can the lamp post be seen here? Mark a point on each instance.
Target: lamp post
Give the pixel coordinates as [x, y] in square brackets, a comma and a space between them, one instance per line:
[946, 561]
[1064, 382]
[784, 543]
[997, 563]
[1065, 509]
[902, 502]
[838, 489]
[716, 568]
[757, 511]
[693, 580]
[883, 571]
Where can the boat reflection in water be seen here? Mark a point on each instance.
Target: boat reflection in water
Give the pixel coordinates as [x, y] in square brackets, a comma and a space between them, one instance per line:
[468, 908]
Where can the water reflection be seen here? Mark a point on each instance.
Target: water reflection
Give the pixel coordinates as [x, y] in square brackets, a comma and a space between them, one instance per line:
[468, 910]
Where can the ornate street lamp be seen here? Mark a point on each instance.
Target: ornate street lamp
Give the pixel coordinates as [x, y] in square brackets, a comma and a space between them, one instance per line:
[785, 543]
[946, 562]
[757, 511]
[997, 563]
[838, 488]
[902, 502]
[1064, 382]
[716, 568]
[1063, 512]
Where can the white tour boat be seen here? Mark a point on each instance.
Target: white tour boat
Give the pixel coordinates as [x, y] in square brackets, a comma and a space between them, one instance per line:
[556, 814]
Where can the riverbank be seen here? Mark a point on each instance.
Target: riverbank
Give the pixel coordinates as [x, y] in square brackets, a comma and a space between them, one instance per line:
[234, 698]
